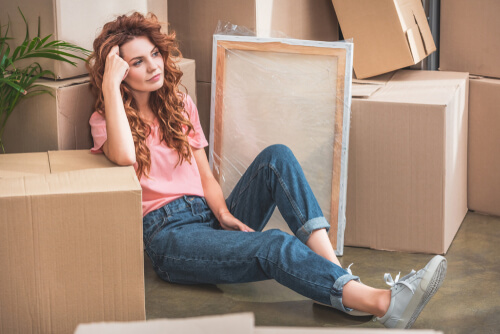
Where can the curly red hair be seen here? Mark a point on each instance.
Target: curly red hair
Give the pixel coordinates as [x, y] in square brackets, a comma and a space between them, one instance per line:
[166, 103]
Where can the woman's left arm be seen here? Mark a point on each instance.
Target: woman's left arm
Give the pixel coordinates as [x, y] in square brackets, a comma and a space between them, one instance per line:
[214, 195]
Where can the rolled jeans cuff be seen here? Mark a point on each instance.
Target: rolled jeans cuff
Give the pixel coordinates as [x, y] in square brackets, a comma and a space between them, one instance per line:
[338, 287]
[310, 226]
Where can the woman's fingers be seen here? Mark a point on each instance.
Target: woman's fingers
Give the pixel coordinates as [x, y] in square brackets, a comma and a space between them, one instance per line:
[116, 69]
[126, 73]
[114, 50]
[245, 228]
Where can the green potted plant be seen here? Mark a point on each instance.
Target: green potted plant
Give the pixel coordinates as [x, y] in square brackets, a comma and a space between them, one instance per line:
[18, 83]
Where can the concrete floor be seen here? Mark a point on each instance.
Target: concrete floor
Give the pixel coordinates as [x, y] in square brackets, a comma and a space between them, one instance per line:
[468, 301]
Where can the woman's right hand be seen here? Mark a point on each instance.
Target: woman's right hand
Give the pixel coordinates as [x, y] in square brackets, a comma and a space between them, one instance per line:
[115, 69]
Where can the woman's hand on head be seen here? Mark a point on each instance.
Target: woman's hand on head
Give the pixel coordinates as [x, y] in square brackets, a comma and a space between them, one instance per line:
[229, 222]
[115, 69]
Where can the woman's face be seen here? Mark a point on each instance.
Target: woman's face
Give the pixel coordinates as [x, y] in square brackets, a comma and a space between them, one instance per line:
[145, 65]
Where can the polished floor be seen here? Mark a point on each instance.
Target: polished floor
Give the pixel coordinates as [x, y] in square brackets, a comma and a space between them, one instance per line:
[468, 301]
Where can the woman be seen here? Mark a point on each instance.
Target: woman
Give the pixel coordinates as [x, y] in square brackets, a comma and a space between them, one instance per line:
[191, 233]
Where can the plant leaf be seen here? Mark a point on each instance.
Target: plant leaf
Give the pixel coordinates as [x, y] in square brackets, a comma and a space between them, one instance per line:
[13, 85]
[27, 38]
[46, 55]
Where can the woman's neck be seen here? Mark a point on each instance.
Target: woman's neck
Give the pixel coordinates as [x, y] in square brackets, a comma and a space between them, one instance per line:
[142, 100]
[145, 112]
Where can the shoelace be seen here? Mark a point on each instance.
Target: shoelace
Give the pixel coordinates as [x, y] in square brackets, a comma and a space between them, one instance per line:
[389, 281]
[348, 269]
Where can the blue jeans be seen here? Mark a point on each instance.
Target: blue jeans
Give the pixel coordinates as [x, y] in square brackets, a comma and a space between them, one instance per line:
[187, 245]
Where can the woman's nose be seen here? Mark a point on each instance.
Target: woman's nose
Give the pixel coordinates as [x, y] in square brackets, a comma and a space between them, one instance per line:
[152, 66]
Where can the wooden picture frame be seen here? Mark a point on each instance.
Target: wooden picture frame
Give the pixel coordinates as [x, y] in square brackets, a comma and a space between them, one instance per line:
[300, 92]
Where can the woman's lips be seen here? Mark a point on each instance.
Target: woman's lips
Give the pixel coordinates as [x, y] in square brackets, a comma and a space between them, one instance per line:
[155, 78]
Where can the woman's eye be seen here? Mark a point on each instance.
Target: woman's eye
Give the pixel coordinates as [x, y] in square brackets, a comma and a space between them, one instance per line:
[156, 53]
[137, 63]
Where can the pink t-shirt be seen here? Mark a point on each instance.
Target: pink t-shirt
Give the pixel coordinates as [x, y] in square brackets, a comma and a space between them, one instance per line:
[166, 182]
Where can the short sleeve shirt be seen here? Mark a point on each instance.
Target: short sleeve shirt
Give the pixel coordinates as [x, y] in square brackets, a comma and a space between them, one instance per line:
[166, 182]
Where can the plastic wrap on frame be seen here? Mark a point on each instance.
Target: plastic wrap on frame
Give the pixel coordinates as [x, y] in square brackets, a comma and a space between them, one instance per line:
[283, 98]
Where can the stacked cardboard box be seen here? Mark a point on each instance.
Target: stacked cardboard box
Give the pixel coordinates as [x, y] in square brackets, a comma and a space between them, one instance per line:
[70, 242]
[195, 22]
[484, 149]
[407, 174]
[387, 34]
[470, 42]
[76, 22]
[61, 121]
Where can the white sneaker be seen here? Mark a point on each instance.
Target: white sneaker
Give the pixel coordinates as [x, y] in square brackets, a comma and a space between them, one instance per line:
[411, 293]
[354, 313]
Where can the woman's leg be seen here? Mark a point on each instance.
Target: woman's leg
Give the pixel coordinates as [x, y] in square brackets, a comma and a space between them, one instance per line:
[185, 246]
[319, 243]
[275, 178]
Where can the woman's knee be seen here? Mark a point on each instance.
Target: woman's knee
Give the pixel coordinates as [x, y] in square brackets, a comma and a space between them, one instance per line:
[278, 149]
[278, 153]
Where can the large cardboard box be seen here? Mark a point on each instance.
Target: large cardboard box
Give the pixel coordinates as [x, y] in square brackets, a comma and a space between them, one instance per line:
[71, 245]
[195, 22]
[241, 323]
[484, 149]
[470, 38]
[407, 174]
[76, 21]
[387, 34]
[61, 121]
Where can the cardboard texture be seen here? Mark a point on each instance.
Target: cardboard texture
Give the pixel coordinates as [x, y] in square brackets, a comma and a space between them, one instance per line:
[52, 122]
[407, 175]
[204, 89]
[61, 121]
[387, 34]
[241, 323]
[76, 21]
[298, 330]
[469, 37]
[195, 22]
[483, 193]
[188, 80]
[70, 242]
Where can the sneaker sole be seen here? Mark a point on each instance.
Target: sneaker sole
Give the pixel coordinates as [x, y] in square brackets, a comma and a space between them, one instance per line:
[431, 281]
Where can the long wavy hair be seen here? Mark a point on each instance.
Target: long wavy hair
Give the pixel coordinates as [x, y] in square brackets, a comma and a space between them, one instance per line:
[166, 103]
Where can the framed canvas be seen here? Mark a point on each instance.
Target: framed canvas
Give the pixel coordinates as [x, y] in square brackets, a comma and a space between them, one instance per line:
[283, 91]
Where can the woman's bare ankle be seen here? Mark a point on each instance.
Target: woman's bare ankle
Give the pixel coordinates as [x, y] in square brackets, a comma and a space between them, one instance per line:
[383, 303]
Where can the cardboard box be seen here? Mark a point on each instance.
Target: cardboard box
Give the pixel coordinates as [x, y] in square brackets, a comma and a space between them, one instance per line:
[76, 21]
[70, 242]
[241, 323]
[195, 22]
[204, 95]
[387, 34]
[61, 121]
[188, 80]
[407, 174]
[298, 330]
[57, 122]
[484, 150]
[470, 39]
